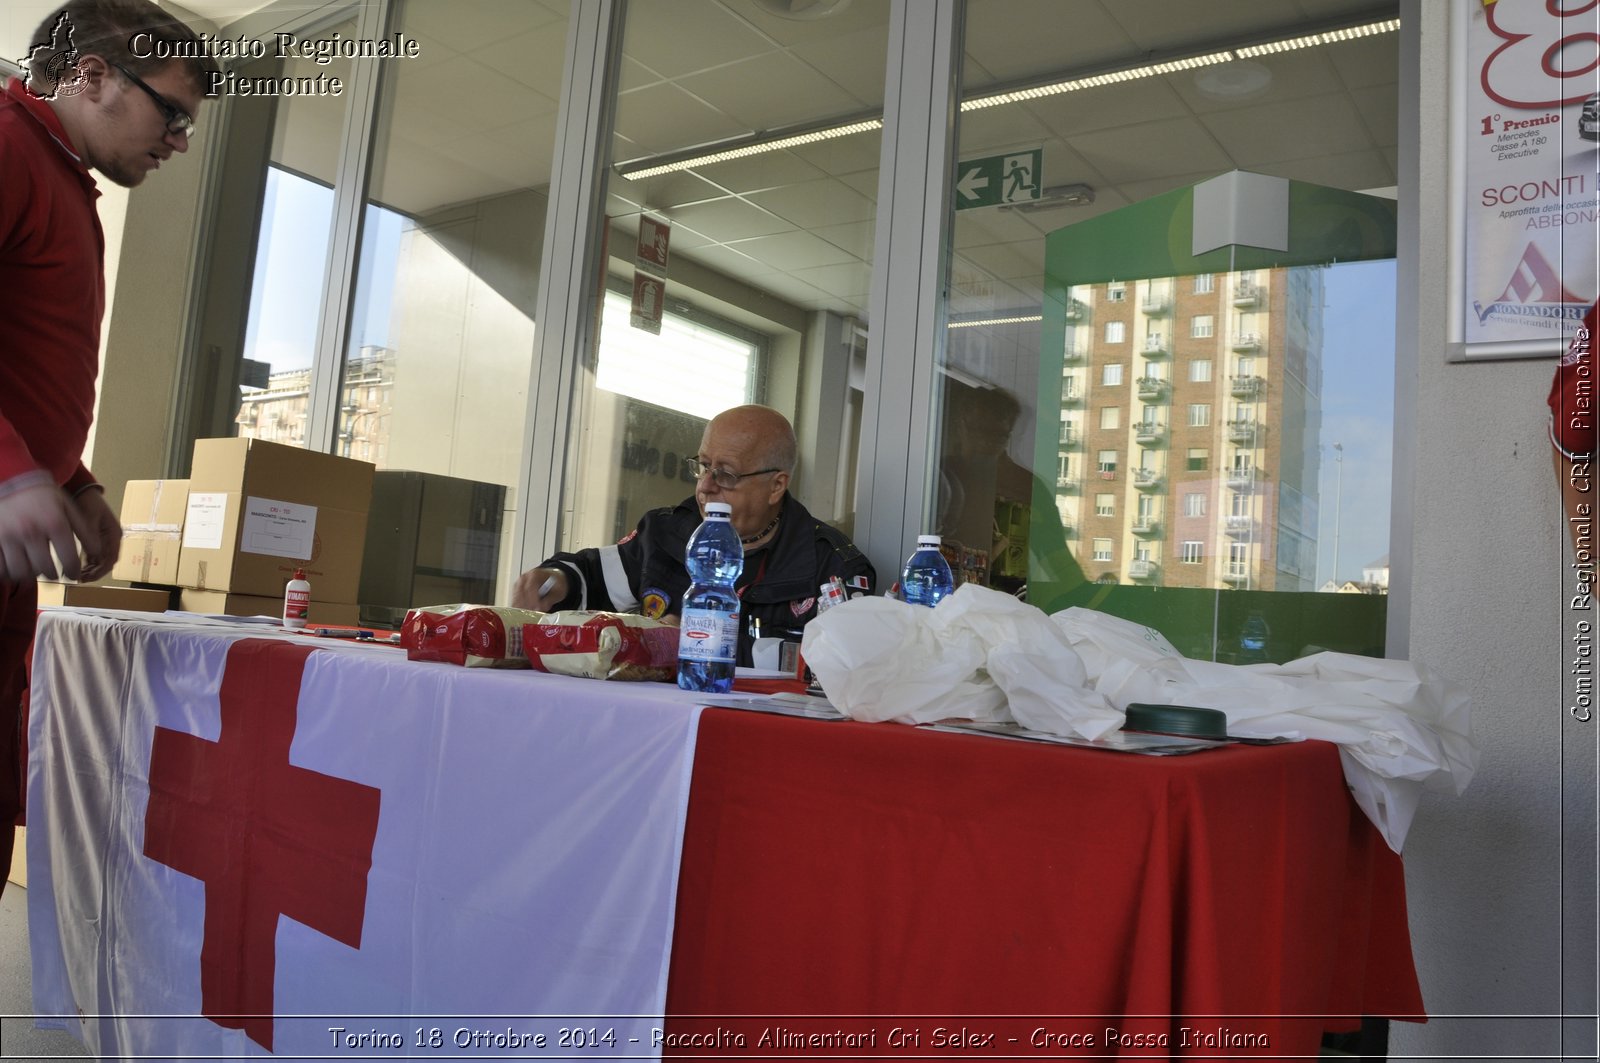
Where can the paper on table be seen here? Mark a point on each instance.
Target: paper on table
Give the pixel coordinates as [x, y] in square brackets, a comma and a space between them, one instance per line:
[1151, 745]
[806, 705]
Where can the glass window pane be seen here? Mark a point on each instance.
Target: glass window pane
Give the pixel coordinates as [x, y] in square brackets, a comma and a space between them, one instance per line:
[1232, 495]
[268, 268]
[437, 364]
[754, 270]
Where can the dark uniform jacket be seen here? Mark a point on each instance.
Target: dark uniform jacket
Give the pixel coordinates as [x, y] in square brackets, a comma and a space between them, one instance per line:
[645, 572]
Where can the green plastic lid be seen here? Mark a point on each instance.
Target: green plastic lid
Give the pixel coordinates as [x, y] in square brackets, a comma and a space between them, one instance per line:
[1186, 720]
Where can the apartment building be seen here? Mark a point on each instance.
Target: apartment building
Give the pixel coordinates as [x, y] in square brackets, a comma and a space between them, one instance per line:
[1190, 408]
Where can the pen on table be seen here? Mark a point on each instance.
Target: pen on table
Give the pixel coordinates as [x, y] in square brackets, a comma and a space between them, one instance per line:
[343, 633]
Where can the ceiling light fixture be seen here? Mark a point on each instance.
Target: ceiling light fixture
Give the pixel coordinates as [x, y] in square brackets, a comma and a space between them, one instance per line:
[756, 144]
[1018, 92]
[1312, 40]
[1023, 320]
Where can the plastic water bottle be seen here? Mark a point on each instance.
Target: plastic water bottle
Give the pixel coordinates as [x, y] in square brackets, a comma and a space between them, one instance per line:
[1253, 638]
[927, 577]
[708, 640]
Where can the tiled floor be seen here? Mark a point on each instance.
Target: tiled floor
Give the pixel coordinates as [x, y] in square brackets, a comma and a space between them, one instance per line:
[18, 1039]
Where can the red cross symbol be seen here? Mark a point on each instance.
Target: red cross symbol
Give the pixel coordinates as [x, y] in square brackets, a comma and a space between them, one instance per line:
[266, 838]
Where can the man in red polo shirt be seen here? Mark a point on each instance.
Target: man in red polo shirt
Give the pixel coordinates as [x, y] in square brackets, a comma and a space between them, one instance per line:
[98, 97]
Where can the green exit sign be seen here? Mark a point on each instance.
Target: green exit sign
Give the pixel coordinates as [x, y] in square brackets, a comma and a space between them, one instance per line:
[988, 182]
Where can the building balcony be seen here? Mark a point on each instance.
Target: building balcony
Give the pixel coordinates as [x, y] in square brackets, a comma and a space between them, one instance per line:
[1075, 312]
[1246, 294]
[1243, 432]
[1149, 433]
[1242, 479]
[1155, 347]
[1236, 572]
[1066, 485]
[1069, 438]
[1072, 400]
[1071, 356]
[1146, 479]
[1246, 387]
[1156, 303]
[1143, 570]
[1240, 526]
[1152, 387]
[1147, 527]
[1245, 342]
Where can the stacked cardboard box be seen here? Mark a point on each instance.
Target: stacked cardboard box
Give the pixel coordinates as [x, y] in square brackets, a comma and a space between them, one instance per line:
[259, 511]
[152, 526]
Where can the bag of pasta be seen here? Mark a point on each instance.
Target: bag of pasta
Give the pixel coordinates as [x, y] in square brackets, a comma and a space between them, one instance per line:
[477, 636]
[601, 645]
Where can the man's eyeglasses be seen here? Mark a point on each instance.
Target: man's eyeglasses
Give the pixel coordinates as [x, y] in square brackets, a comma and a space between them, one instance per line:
[178, 120]
[726, 479]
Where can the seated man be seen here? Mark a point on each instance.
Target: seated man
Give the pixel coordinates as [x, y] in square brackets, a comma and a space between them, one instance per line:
[746, 458]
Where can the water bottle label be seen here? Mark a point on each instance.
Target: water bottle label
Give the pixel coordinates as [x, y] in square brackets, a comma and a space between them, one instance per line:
[709, 635]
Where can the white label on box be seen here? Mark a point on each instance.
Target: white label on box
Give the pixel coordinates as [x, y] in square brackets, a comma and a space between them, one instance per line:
[203, 520]
[281, 529]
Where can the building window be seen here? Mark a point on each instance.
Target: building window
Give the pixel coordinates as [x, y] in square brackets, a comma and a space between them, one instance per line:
[1102, 550]
[1116, 293]
[1199, 459]
[1111, 375]
[1190, 552]
[1110, 416]
[1202, 326]
[1200, 371]
[1194, 504]
[1199, 414]
[1108, 463]
[1105, 505]
[1205, 282]
[1116, 331]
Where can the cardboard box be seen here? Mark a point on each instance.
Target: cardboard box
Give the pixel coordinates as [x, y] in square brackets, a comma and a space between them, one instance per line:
[152, 527]
[332, 614]
[257, 511]
[100, 596]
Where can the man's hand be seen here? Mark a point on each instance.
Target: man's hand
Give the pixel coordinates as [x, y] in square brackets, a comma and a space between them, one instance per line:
[32, 521]
[539, 589]
[95, 513]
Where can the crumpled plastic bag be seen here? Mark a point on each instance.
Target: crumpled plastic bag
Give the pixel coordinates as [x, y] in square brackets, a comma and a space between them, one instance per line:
[981, 655]
[1396, 724]
[984, 656]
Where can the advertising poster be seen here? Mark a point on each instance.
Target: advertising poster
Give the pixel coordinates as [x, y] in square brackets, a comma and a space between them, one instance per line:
[1531, 143]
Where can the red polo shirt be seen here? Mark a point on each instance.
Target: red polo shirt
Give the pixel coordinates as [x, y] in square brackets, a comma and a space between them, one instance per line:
[52, 296]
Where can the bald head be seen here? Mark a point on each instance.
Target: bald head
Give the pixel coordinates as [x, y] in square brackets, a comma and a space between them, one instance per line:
[761, 432]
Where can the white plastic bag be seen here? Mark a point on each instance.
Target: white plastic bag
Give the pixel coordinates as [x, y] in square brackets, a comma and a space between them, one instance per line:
[1397, 726]
[981, 655]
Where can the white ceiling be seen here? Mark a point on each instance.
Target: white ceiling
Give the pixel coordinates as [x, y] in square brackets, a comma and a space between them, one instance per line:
[800, 223]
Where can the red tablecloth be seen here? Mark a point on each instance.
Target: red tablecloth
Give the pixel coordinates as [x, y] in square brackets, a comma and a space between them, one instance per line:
[1231, 903]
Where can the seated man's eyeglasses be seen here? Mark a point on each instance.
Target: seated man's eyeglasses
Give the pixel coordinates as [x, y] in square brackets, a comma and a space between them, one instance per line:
[178, 120]
[726, 479]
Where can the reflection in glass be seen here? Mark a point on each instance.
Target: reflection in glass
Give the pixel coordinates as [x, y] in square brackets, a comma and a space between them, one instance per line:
[748, 277]
[1179, 423]
[271, 397]
[441, 340]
